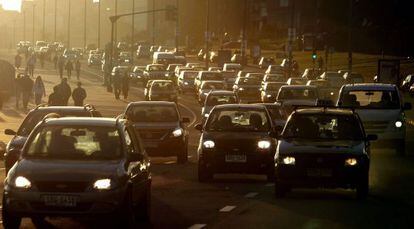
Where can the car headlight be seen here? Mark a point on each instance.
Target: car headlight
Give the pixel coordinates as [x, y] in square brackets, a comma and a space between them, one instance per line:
[268, 96]
[241, 89]
[398, 124]
[186, 83]
[209, 144]
[351, 162]
[206, 115]
[102, 184]
[205, 93]
[332, 93]
[264, 144]
[177, 132]
[289, 160]
[22, 182]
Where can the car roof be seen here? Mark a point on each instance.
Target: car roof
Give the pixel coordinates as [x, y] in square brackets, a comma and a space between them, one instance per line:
[370, 86]
[222, 92]
[322, 110]
[239, 106]
[299, 87]
[62, 108]
[75, 121]
[161, 103]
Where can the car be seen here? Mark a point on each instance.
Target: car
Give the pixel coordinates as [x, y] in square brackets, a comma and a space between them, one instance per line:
[278, 114]
[296, 81]
[229, 78]
[214, 69]
[137, 73]
[269, 91]
[325, 92]
[247, 89]
[161, 128]
[243, 73]
[194, 65]
[275, 69]
[232, 67]
[33, 117]
[236, 138]
[71, 55]
[335, 79]
[162, 90]
[272, 78]
[237, 58]
[185, 81]
[381, 109]
[79, 52]
[323, 147]
[297, 95]
[180, 69]
[123, 46]
[206, 75]
[78, 166]
[200, 55]
[94, 59]
[217, 97]
[120, 71]
[208, 86]
[164, 58]
[265, 62]
[125, 57]
[407, 82]
[353, 78]
[154, 72]
[143, 51]
[255, 75]
[310, 73]
[171, 70]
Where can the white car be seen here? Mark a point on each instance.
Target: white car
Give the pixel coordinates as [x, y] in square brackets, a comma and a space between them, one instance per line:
[381, 109]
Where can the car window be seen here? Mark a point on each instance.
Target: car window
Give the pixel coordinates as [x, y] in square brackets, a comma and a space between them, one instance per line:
[214, 100]
[75, 143]
[211, 76]
[159, 113]
[212, 86]
[238, 120]
[276, 113]
[371, 99]
[162, 86]
[156, 68]
[305, 94]
[323, 126]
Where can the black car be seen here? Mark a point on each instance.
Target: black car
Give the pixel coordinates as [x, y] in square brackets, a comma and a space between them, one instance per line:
[236, 139]
[32, 118]
[323, 147]
[161, 128]
[79, 166]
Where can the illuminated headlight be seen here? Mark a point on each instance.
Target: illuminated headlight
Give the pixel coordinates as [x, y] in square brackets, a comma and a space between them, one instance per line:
[127, 61]
[263, 144]
[209, 144]
[241, 89]
[398, 124]
[205, 93]
[206, 115]
[185, 83]
[22, 182]
[351, 162]
[268, 96]
[177, 132]
[103, 184]
[289, 160]
[332, 93]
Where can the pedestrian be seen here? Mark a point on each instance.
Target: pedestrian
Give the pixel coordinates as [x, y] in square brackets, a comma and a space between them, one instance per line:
[27, 88]
[79, 95]
[31, 65]
[116, 84]
[39, 90]
[54, 98]
[18, 88]
[69, 68]
[42, 60]
[17, 61]
[78, 68]
[125, 85]
[55, 60]
[61, 66]
[64, 91]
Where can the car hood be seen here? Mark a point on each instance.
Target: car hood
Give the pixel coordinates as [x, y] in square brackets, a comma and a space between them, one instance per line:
[155, 125]
[239, 136]
[367, 115]
[326, 146]
[68, 170]
[17, 142]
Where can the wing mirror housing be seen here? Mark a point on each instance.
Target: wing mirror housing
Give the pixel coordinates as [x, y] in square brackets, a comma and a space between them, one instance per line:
[199, 127]
[9, 132]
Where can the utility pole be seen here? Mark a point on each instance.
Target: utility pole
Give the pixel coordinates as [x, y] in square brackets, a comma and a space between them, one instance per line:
[99, 24]
[55, 20]
[207, 35]
[291, 36]
[33, 28]
[44, 21]
[24, 25]
[244, 42]
[84, 25]
[133, 32]
[69, 25]
[177, 31]
[116, 24]
[153, 23]
[351, 3]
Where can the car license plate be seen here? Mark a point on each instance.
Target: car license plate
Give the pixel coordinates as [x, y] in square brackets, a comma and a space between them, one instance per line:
[60, 200]
[319, 172]
[236, 158]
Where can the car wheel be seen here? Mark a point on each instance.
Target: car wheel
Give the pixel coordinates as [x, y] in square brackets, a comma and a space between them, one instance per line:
[280, 190]
[400, 147]
[10, 221]
[143, 211]
[182, 156]
[362, 188]
[204, 175]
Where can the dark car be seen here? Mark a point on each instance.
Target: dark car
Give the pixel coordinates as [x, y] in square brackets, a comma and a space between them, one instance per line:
[162, 90]
[323, 147]
[236, 139]
[218, 97]
[278, 114]
[161, 128]
[79, 166]
[265, 62]
[269, 91]
[36, 115]
[248, 90]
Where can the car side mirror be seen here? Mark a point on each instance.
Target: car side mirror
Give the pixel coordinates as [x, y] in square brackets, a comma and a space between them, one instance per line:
[135, 157]
[9, 132]
[372, 137]
[407, 106]
[199, 127]
[185, 120]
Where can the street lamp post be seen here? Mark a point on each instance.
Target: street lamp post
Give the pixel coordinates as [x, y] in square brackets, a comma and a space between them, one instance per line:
[243, 40]
[99, 24]
[55, 20]
[207, 35]
[351, 5]
[84, 25]
[153, 23]
[33, 28]
[177, 27]
[24, 25]
[116, 26]
[133, 33]
[69, 24]
[44, 22]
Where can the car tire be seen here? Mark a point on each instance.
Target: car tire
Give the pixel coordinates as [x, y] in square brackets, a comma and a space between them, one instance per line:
[143, 211]
[362, 188]
[400, 147]
[280, 190]
[204, 175]
[10, 221]
[182, 156]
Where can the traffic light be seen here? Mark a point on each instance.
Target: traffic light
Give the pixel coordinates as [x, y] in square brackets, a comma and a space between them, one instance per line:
[314, 55]
[171, 13]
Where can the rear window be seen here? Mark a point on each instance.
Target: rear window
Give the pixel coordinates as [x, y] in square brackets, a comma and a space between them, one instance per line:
[214, 100]
[212, 86]
[158, 113]
[300, 94]
[370, 99]
[238, 121]
[211, 76]
[162, 86]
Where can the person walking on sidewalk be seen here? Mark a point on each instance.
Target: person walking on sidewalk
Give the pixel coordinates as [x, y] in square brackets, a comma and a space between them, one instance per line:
[55, 60]
[78, 68]
[69, 68]
[17, 61]
[79, 95]
[117, 84]
[39, 90]
[54, 98]
[64, 91]
[61, 63]
[18, 88]
[125, 85]
[31, 65]
[27, 88]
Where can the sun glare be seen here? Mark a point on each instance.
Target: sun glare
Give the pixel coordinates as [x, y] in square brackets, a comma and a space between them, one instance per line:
[11, 5]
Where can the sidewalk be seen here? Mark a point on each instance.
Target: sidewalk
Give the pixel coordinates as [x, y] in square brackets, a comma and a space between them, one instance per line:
[10, 118]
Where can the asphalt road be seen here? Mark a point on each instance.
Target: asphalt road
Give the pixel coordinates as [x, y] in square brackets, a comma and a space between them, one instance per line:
[240, 201]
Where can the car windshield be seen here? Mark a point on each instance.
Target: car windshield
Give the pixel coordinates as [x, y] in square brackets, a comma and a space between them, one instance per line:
[35, 117]
[371, 99]
[299, 93]
[212, 86]
[153, 113]
[249, 81]
[190, 75]
[336, 81]
[238, 120]
[273, 87]
[211, 76]
[75, 143]
[214, 100]
[297, 81]
[157, 68]
[324, 127]
[162, 86]
[279, 78]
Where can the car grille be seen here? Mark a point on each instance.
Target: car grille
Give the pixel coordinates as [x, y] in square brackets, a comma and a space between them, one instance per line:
[154, 134]
[58, 186]
[246, 146]
[375, 126]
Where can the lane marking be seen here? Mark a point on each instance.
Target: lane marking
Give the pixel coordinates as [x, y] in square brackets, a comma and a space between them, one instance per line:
[251, 195]
[269, 184]
[227, 208]
[169, 162]
[192, 113]
[197, 226]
